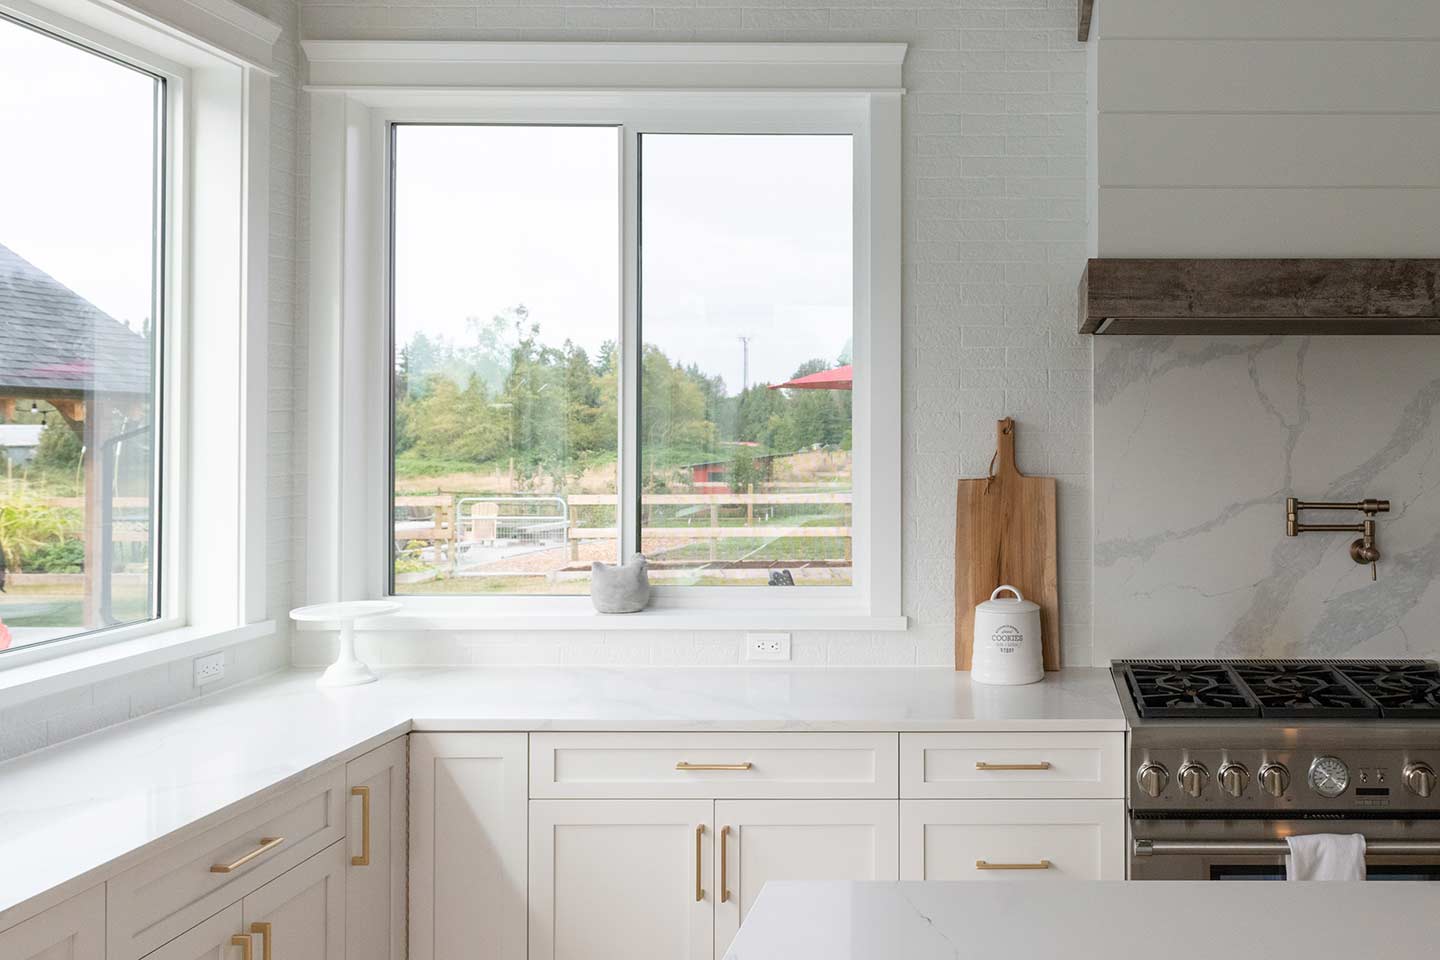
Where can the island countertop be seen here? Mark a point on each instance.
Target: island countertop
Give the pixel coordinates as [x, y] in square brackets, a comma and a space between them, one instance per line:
[78, 812]
[1087, 921]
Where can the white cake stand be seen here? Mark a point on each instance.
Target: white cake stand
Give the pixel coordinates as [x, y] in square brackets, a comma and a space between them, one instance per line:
[348, 670]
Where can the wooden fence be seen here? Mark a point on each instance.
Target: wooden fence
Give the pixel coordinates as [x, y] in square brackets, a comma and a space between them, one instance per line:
[445, 530]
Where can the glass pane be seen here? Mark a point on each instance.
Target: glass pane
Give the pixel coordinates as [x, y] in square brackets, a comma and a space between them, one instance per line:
[745, 432]
[78, 339]
[507, 306]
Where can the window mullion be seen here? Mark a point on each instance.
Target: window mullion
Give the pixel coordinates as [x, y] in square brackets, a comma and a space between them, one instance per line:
[628, 503]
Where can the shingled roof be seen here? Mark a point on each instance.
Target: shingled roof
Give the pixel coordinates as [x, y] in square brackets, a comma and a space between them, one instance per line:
[55, 342]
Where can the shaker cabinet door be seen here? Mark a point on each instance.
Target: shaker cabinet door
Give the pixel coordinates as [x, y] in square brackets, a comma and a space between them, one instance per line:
[221, 937]
[762, 840]
[621, 880]
[375, 867]
[468, 797]
[302, 911]
[73, 930]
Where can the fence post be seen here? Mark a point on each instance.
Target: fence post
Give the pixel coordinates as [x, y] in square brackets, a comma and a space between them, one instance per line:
[714, 522]
[750, 506]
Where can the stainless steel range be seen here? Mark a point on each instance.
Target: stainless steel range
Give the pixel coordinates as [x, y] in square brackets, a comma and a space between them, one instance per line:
[1229, 757]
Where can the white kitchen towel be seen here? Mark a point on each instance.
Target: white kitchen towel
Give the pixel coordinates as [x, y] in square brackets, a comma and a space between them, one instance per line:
[1326, 856]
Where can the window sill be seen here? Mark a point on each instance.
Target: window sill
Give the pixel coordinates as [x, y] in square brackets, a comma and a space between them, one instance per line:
[581, 618]
[66, 671]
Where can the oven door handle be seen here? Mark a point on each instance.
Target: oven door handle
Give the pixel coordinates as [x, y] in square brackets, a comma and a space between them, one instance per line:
[1245, 848]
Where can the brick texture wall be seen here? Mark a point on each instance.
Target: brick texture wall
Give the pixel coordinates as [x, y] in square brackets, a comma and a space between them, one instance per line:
[995, 238]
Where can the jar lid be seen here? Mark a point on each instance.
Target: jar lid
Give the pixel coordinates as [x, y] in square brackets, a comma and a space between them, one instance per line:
[1015, 604]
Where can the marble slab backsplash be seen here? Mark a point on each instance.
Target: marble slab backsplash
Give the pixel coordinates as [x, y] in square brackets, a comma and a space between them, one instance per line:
[1199, 440]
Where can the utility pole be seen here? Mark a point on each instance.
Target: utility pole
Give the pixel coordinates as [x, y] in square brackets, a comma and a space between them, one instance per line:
[744, 363]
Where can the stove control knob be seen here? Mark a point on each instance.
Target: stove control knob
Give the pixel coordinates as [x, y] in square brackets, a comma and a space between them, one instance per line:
[1274, 779]
[1152, 779]
[1193, 777]
[1234, 778]
[1419, 779]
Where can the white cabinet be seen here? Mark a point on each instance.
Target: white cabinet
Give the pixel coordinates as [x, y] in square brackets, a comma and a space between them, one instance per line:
[73, 930]
[621, 880]
[375, 871]
[994, 766]
[468, 800]
[300, 915]
[762, 840]
[1000, 840]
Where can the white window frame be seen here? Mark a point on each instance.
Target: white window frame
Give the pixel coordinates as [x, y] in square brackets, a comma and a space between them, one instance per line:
[359, 90]
[215, 58]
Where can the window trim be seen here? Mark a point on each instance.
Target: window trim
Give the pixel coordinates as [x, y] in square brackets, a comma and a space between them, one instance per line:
[359, 89]
[214, 56]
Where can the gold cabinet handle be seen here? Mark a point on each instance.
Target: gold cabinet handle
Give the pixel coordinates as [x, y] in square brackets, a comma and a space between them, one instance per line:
[982, 765]
[987, 865]
[247, 948]
[364, 859]
[699, 890]
[687, 765]
[266, 845]
[263, 930]
[724, 882]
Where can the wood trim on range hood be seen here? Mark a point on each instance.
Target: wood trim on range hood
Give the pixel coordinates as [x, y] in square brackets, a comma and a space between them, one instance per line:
[1292, 296]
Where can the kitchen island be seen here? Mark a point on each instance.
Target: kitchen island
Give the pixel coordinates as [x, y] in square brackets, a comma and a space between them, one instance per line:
[1087, 921]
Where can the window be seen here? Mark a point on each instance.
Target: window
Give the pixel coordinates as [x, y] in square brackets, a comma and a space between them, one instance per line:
[507, 321]
[81, 182]
[637, 298]
[747, 322]
[506, 380]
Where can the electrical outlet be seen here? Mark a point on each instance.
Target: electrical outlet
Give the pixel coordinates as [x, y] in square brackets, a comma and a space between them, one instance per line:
[767, 646]
[209, 668]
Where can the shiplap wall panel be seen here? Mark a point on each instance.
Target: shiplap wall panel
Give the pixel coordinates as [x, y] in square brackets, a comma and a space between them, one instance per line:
[1260, 150]
[1268, 76]
[1321, 222]
[1273, 19]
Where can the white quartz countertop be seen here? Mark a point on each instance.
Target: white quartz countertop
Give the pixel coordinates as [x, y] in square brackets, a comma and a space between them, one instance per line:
[1087, 921]
[79, 812]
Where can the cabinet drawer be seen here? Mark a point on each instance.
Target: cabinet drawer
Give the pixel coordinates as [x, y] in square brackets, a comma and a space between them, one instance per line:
[1012, 765]
[169, 893]
[1004, 840]
[718, 765]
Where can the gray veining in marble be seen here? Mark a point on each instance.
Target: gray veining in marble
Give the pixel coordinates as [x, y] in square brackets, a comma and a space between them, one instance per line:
[1199, 440]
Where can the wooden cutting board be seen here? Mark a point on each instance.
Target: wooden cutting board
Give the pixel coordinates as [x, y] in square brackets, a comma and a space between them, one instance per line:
[1005, 533]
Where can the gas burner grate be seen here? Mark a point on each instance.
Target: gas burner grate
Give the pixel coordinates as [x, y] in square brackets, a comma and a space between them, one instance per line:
[1304, 690]
[1179, 689]
[1403, 689]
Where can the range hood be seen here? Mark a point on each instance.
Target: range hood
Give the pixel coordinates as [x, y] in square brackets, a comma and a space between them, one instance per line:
[1282, 296]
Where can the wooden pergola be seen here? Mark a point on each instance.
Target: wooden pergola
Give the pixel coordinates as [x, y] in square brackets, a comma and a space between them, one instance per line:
[58, 348]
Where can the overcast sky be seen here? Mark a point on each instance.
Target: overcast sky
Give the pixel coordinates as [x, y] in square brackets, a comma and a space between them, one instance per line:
[743, 235]
[77, 167]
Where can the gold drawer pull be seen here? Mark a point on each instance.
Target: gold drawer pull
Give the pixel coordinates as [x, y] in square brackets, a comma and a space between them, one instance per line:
[699, 890]
[247, 948]
[266, 845]
[982, 765]
[724, 855]
[262, 930]
[987, 865]
[364, 794]
[687, 765]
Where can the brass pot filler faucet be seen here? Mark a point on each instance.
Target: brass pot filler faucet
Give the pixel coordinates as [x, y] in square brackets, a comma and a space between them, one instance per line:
[1362, 550]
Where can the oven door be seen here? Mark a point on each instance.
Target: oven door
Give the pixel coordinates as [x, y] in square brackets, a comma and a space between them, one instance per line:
[1256, 849]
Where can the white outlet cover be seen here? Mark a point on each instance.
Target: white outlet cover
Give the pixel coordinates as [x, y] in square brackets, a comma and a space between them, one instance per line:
[209, 668]
[767, 646]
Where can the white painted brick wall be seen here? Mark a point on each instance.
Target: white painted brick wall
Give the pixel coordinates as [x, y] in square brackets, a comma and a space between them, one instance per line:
[995, 238]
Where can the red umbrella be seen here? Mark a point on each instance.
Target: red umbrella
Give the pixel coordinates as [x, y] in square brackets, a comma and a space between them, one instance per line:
[837, 379]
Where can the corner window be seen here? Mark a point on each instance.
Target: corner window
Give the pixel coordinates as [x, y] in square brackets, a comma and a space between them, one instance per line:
[81, 182]
[509, 358]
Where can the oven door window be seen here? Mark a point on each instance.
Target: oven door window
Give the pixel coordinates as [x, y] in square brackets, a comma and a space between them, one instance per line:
[1277, 872]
